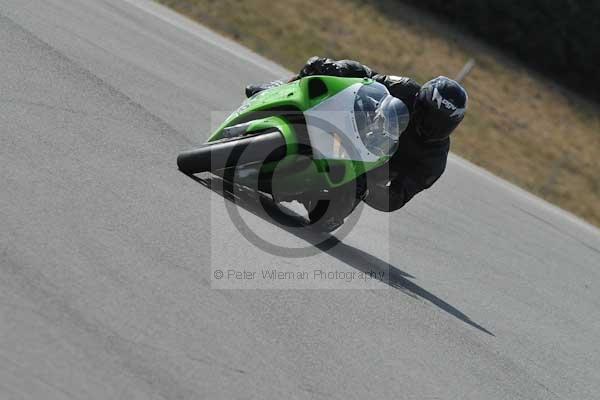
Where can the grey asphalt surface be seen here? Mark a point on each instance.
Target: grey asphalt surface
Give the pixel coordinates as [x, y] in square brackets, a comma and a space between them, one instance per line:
[107, 252]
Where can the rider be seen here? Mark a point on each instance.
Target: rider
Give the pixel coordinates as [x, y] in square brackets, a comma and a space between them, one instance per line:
[436, 109]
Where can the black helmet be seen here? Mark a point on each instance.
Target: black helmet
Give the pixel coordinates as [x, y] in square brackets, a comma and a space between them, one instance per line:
[440, 105]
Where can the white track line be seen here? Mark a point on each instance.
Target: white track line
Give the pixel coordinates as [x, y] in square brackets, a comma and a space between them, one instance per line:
[193, 28]
[525, 194]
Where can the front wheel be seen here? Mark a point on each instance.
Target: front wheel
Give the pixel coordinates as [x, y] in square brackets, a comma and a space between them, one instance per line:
[227, 153]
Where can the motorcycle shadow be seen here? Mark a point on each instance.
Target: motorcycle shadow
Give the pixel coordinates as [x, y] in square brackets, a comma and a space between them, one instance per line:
[264, 207]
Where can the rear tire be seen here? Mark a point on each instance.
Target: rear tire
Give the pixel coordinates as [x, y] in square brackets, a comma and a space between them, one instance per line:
[263, 147]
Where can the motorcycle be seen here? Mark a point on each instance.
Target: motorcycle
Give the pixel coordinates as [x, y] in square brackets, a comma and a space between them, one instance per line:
[308, 140]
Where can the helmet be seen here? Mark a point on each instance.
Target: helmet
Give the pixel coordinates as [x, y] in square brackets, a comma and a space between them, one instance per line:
[440, 106]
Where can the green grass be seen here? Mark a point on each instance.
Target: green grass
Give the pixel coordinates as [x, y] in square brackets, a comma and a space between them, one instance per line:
[519, 126]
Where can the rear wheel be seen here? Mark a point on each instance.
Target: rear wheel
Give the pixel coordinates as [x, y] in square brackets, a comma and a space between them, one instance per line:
[262, 147]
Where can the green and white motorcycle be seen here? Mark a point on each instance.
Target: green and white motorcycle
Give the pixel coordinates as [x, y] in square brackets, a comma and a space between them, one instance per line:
[306, 140]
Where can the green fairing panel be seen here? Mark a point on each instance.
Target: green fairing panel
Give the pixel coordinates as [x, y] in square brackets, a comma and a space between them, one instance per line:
[294, 95]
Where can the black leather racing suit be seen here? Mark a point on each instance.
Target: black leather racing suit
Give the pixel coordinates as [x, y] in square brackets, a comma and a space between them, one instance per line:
[416, 165]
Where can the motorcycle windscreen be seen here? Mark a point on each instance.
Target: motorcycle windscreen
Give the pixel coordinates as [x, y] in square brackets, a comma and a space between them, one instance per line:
[361, 123]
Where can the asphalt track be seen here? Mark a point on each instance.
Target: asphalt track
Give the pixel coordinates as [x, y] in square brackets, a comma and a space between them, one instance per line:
[107, 251]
